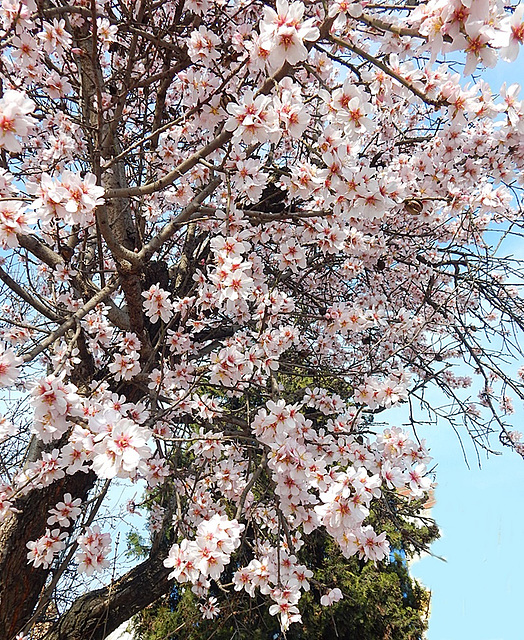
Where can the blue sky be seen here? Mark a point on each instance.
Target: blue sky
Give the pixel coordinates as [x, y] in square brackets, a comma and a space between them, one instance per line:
[477, 594]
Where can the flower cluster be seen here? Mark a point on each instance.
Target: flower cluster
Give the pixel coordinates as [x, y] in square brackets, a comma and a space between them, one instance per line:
[277, 574]
[157, 304]
[14, 219]
[283, 31]
[383, 393]
[330, 598]
[9, 367]
[120, 448]
[43, 551]
[71, 198]
[54, 402]
[232, 284]
[94, 547]
[65, 512]
[253, 119]
[205, 557]
[479, 28]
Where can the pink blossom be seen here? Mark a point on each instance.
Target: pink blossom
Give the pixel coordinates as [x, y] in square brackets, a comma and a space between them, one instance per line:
[94, 546]
[285, 607]
[123, 451]
[125, 366]
[418, 481]
[54, 37]
[202, 45]
[65, 512]
[253, 119]
[209, 608]
[42, 551]
[157, 304]
[331, 597]
[15, 120]
[287, 33]
[9, 367]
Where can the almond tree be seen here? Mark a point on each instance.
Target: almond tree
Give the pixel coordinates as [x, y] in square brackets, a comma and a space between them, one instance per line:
[234, 234]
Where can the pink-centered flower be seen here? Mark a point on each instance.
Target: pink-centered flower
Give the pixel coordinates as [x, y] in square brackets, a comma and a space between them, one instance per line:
[15, 121]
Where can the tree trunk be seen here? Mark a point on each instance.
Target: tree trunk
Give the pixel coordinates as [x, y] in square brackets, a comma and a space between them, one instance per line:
[20, 583]
[98, 613]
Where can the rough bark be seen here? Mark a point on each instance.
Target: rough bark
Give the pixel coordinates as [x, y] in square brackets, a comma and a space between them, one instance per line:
[20, 583]
[98, 613]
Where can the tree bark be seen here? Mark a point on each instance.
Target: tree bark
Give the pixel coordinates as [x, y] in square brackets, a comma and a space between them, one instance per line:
[98, 613]
[20, 583]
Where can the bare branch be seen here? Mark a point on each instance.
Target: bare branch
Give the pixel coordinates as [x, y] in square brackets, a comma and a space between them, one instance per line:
[28, 297]
[384, 67]
[70, 323]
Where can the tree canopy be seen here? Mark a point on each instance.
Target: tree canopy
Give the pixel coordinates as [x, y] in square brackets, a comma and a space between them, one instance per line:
[233, 236]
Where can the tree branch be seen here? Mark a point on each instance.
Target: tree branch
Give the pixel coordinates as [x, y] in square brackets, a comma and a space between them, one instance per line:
[39, 249]
[96, 614]
[383, 25]
[68, 324]
[384, 67]
[28, 297]
[173, 175]
[149, 249]
[118, 250]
